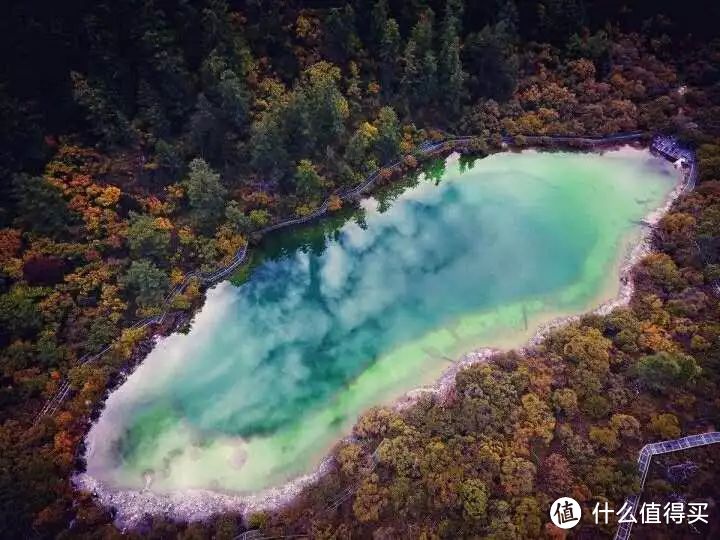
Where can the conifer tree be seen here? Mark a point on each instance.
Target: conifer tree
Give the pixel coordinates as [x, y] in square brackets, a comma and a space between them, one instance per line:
[206, 194]
[451, 76]
[388, 137]
[378, 20]
[105, 118]
[389, 54]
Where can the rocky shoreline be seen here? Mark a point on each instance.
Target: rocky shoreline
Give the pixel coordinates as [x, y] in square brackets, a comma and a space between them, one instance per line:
[133, 508]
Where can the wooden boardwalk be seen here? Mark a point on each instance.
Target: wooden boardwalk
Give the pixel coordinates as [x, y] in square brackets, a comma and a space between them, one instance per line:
[670, 149]
[644, 459]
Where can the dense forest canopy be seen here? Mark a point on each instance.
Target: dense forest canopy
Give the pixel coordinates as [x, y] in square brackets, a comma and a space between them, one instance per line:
[142, 72]
[142, 139]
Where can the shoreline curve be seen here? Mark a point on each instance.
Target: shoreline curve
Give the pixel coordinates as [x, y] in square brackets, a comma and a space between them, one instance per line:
[133, 506]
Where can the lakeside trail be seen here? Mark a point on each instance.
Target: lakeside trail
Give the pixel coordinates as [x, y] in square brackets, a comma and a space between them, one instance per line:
[425, 149]
[196, 504]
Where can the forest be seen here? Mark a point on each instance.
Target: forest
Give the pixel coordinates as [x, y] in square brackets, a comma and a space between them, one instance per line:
[143, 139]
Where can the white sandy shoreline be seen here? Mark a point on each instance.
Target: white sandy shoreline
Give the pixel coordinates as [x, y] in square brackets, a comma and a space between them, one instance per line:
[132, 506]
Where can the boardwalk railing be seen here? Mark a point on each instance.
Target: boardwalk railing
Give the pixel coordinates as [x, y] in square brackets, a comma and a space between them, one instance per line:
[53, 403]
[349, 491]
[644, 459]
[580, 139]
[669, 148]
[426, 148]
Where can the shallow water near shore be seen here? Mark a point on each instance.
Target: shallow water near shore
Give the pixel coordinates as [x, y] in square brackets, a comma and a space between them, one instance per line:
[338, 317]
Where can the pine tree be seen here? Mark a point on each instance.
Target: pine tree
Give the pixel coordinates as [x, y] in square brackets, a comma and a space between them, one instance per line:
[378, 20]
[162, 62]
[428, 81]
[106, 119]
[152, 114]
[234, 100]
[388, 138]
[146, 281]
[40, 206]
[410, 80]
[323, 107]
[269, 153]
[145, 239]
[353, 90]
[206, 194]
[491, 63]
[205, 137]
[341, 35]
[450, 73]
[307, 181]
[359, 146]
[389, 54]
[422, 32]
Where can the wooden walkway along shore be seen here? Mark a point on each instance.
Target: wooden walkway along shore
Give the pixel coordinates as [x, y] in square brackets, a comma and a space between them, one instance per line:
[644, 459]
[53, 403]
[426, 148]
[670, 149]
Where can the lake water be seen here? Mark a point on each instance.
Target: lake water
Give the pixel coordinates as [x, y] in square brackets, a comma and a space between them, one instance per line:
[340, 316]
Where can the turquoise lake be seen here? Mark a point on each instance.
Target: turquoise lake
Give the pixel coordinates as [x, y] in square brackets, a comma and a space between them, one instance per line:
[354, 311]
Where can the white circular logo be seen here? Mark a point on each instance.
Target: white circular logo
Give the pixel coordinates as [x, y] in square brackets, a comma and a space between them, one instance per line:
[565, 512]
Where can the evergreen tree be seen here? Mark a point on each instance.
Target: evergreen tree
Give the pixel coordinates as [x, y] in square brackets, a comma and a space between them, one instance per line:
[358, 148]
[558, 20]
[451, 76]
[428, 88]
[151, 115]
[40, 207]
[269, 154]
[234, 100]
[340, 33]
[106, 120]
[353, 90]
[162, 63]
[206, 195]
[169, 158]
[146, 282]
[422, 32]
[322, 105]
[411, 72]
[454, 10]
[205, 135]
[216, 27]
[491, 63]
[509, 16]
[378, 20]
[221, 114]
[145, 239]
[237, 218]
[19, 313]
[307, 181]
[419, 76]
[389, 54]
[388, 136]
